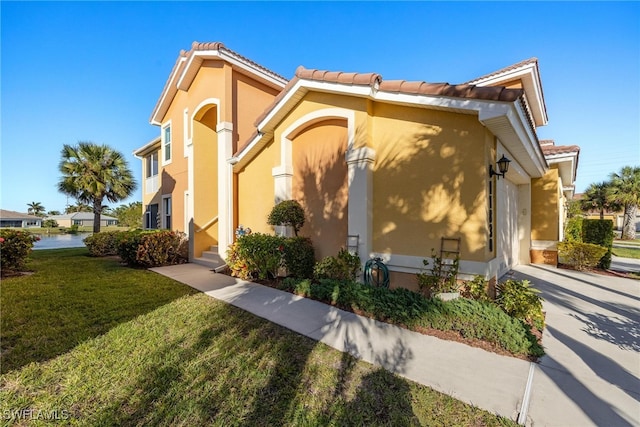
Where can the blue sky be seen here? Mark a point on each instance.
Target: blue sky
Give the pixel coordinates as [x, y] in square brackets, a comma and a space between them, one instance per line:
[76, 71]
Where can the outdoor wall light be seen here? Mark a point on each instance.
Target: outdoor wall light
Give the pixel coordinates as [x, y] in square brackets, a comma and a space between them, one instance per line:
[503, 167]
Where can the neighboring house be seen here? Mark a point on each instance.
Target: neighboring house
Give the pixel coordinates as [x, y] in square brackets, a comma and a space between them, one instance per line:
[399, 164]
[82, 219]
[550, 195]
[11, 219]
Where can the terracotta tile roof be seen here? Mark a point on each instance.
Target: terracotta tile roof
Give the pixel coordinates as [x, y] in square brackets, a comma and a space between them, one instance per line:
[547, 142]
[491, 93]
[505, 69]
[220, 47]
[550, 150]
[184, 56]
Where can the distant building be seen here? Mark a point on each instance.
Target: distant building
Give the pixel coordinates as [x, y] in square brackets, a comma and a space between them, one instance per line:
[82, 219]
[13, 219]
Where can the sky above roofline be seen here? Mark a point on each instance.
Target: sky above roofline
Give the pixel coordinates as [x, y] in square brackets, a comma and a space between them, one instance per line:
[78, 71]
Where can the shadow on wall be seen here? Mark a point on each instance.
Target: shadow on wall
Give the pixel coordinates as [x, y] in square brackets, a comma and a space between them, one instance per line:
[429, 186]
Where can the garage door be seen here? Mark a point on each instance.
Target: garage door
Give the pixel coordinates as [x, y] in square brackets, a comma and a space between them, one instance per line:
[508, 247]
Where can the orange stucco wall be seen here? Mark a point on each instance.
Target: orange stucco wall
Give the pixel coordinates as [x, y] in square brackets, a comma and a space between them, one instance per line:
[429, 180]
[544, 206]
[255, 191]
[320, 184]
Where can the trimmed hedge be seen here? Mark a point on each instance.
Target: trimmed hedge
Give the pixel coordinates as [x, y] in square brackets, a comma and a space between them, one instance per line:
[471, 319]
[580, 255]
[599, 232]
[258, 256]
[104, 243]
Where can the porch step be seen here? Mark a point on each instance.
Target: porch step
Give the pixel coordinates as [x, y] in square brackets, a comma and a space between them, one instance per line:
[210, 258]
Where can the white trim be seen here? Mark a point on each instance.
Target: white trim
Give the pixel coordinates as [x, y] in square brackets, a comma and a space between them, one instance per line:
[544, 245]
[164, 126]
[414, 264]
[224, 131]
[154, 120]
[187, 214]
[185, 132]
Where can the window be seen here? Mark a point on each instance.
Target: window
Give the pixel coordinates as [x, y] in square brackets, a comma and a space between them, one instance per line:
[166, 143]
[77, 222]
[152, 165]
[166, 212]
[151, 217]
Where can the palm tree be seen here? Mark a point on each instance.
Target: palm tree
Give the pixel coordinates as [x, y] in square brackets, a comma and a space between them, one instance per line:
[79, 207]
[625, 189]
[93, 172]
[52, 213]
[596, 198]
[35, 208]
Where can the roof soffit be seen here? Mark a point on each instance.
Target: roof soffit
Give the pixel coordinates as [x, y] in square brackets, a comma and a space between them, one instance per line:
[529, 74]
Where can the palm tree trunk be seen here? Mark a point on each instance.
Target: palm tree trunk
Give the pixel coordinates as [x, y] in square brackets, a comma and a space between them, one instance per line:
[629, 222]
[97, 211]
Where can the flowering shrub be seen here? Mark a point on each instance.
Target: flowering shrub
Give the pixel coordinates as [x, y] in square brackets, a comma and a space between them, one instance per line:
[256, 256]
[104, 243]
[162, 248]
[15, 247]
[153, 248]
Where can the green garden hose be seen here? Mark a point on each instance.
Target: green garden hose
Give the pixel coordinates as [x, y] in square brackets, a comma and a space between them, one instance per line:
[376, 273]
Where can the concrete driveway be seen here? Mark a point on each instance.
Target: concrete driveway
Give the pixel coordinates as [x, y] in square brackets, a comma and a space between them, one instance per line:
[591, 373]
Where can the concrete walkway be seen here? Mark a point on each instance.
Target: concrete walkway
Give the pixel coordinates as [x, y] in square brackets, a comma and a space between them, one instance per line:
[499, 384]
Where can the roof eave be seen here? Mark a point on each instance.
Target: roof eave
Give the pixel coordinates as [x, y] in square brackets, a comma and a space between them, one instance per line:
[149, 146]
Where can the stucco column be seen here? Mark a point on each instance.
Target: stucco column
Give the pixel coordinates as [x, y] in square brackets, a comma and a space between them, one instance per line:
[360, 163]
[225, 182]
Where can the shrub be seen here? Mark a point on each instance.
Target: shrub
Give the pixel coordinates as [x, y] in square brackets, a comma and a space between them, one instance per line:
[580, 255]
[471, 319]
[518, 299]
[128, 243]
[162, 248]
[599, 232]
[256, 255]
[50, 223]
[476, 289]
[299, 256]
[103, 244]
[441, 277]
[15, 247]
[345, 266]
[288, 212]
[573, 229]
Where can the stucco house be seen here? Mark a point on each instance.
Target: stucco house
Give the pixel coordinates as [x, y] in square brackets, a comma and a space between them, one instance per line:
[399, 164]
[12, 219]
[82, 219]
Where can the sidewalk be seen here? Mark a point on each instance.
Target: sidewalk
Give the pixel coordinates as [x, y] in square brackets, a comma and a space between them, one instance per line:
[487, 380]
[559, 395]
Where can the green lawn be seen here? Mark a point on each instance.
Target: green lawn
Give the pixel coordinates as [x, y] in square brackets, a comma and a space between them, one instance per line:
[108, 345]
[627, 252]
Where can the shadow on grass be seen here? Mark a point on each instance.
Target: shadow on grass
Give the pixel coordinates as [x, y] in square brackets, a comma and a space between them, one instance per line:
[71, 298]
[242, 370]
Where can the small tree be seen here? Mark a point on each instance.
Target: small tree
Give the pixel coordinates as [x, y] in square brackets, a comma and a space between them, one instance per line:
[625, 190]
[288, 212]
[36, 208]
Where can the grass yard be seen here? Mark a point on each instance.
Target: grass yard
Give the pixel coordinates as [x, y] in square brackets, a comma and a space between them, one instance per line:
[627, 252]
[108, 345]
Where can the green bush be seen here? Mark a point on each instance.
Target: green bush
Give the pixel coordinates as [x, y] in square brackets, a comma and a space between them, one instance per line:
[128, 243]
[599, 232]
[15, 247]
[573, 229]
[518, 299]
[289, 213]
[256, 256]
[441, 277]
[580, 255]
[162, 248]
[476, 289]
[299, 256]
[103, 244]
[344, 266]
[471, 319]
